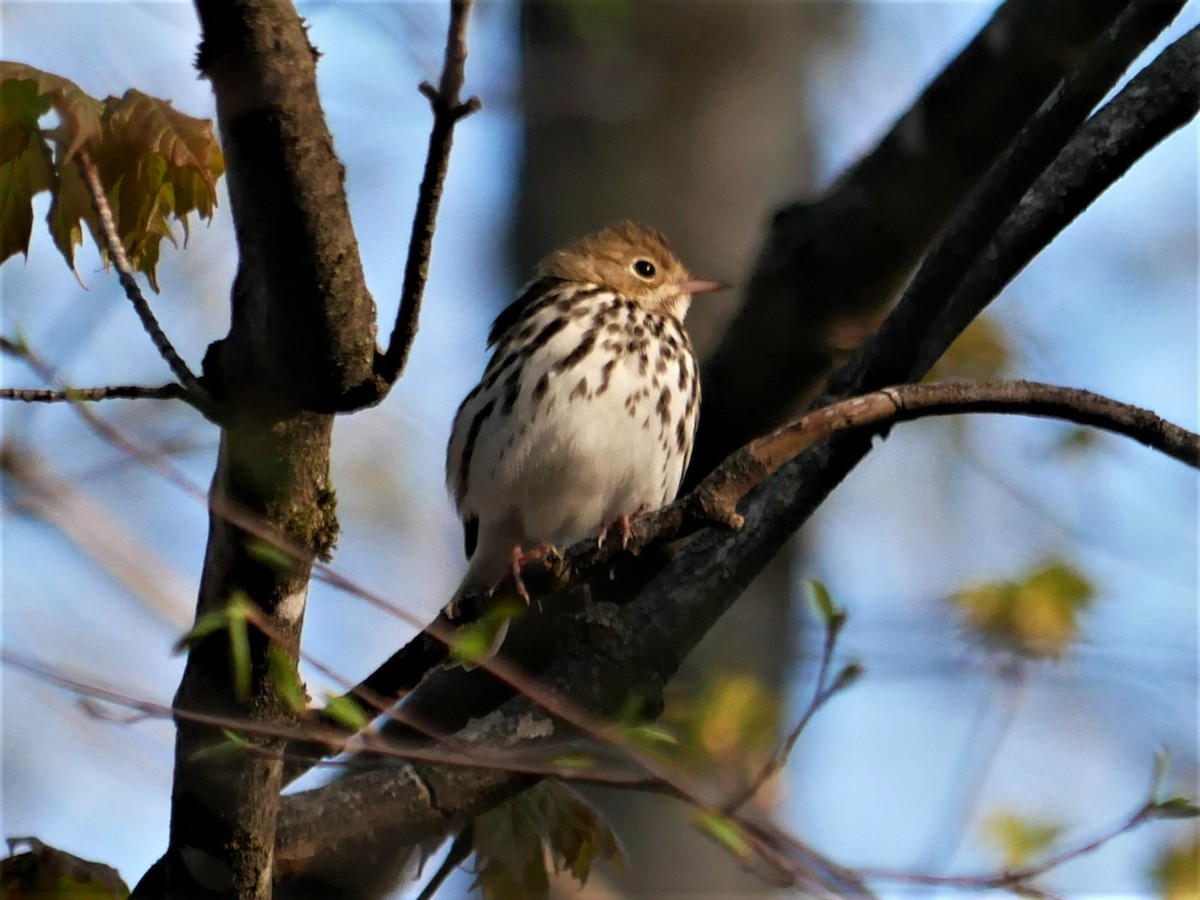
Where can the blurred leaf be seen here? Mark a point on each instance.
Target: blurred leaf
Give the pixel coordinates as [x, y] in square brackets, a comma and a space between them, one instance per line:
[850, 673]
[347, 713]
[981, 352]
[513, 840]
[1037, 617]
[481, 638]
[650, 736]
[1174, 808]
[1078, 440]
[732, 721]
[1020, 840]
[270, 555]
[239, 653]
[823, 607]
[735, 716]
[575, 761]
[1162, 765]
[723, 831]
[156, 164]
[600, 22]
[282, 670]
[43, 872]
[1176, 872]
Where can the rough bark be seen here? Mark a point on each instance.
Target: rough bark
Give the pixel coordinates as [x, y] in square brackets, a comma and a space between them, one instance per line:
[301, 337]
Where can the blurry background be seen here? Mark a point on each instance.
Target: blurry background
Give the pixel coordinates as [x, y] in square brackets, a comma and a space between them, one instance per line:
[699, 118]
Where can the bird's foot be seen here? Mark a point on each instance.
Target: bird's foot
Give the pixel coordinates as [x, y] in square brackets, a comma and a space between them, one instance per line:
[520, 559]
[622, 524]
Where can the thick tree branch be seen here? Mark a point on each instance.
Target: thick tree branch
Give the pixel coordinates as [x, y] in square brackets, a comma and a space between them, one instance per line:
[302, 339]
[448, 109]
[601, 653]
[972, 228]
[116, 252]
[1158, 101]
[716, 499]
[830, 267]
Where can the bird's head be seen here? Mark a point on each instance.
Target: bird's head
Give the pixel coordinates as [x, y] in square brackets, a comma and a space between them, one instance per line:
[633, 261]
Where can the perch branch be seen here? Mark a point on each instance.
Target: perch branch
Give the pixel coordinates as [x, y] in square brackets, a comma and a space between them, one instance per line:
[116, 252]
[716, 498]
[448, 109]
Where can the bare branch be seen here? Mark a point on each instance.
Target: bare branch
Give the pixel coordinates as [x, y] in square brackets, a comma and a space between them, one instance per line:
[170, 391]
[116, 252]
[969, 232]
[1160, 99]
[822, 692]
[830, 266]
[448, 109]
[1019, 878]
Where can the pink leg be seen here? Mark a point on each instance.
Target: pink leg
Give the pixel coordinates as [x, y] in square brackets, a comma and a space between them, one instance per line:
[622, 522]
[520, 558]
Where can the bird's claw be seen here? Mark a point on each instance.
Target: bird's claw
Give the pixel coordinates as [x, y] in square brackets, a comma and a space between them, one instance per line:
[622, 523]
[520, 559]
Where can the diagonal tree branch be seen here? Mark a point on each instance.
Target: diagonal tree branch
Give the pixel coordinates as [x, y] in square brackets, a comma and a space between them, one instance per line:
[830, 266]
[1158, 101]
[116, 252]
[448, 109]
[968, 234]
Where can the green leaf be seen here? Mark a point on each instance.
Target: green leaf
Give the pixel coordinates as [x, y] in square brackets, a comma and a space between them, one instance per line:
[282, 671]
[1162, 765]
[1176, 872]
[1037, 616]
[1174, 808]
[982, 351]
[239, 655]
[44, 872]
[651, 736]
[1021, 839]
[270, 555]
[723, 831]
[157, 165]
[346, 712]
[207, 624]
[850, 673]
[480, 639]
[573, 761]
[821, 603]
[513, 840]
[25, 174]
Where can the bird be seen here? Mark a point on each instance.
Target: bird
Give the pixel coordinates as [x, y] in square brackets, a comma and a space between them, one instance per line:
[586, 411]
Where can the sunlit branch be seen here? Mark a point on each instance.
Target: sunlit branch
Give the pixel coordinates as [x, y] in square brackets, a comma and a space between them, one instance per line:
[448, 109]
[116, 252]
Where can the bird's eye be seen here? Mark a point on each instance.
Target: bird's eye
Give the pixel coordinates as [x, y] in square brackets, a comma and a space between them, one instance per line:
[643, 268]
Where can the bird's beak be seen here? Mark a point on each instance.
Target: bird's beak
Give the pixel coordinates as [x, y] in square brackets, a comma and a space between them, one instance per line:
[700, 286]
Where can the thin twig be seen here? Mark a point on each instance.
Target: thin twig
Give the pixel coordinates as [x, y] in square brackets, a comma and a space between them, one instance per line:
[116, 252]
[1018, 877]
[170, 391]
[822, 692]
[448, 109]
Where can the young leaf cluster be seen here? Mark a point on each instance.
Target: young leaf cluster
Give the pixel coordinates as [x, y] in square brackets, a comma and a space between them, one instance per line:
[155, 164]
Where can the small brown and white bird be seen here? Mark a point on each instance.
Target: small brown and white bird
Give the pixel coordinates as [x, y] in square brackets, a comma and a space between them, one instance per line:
[587, 409]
